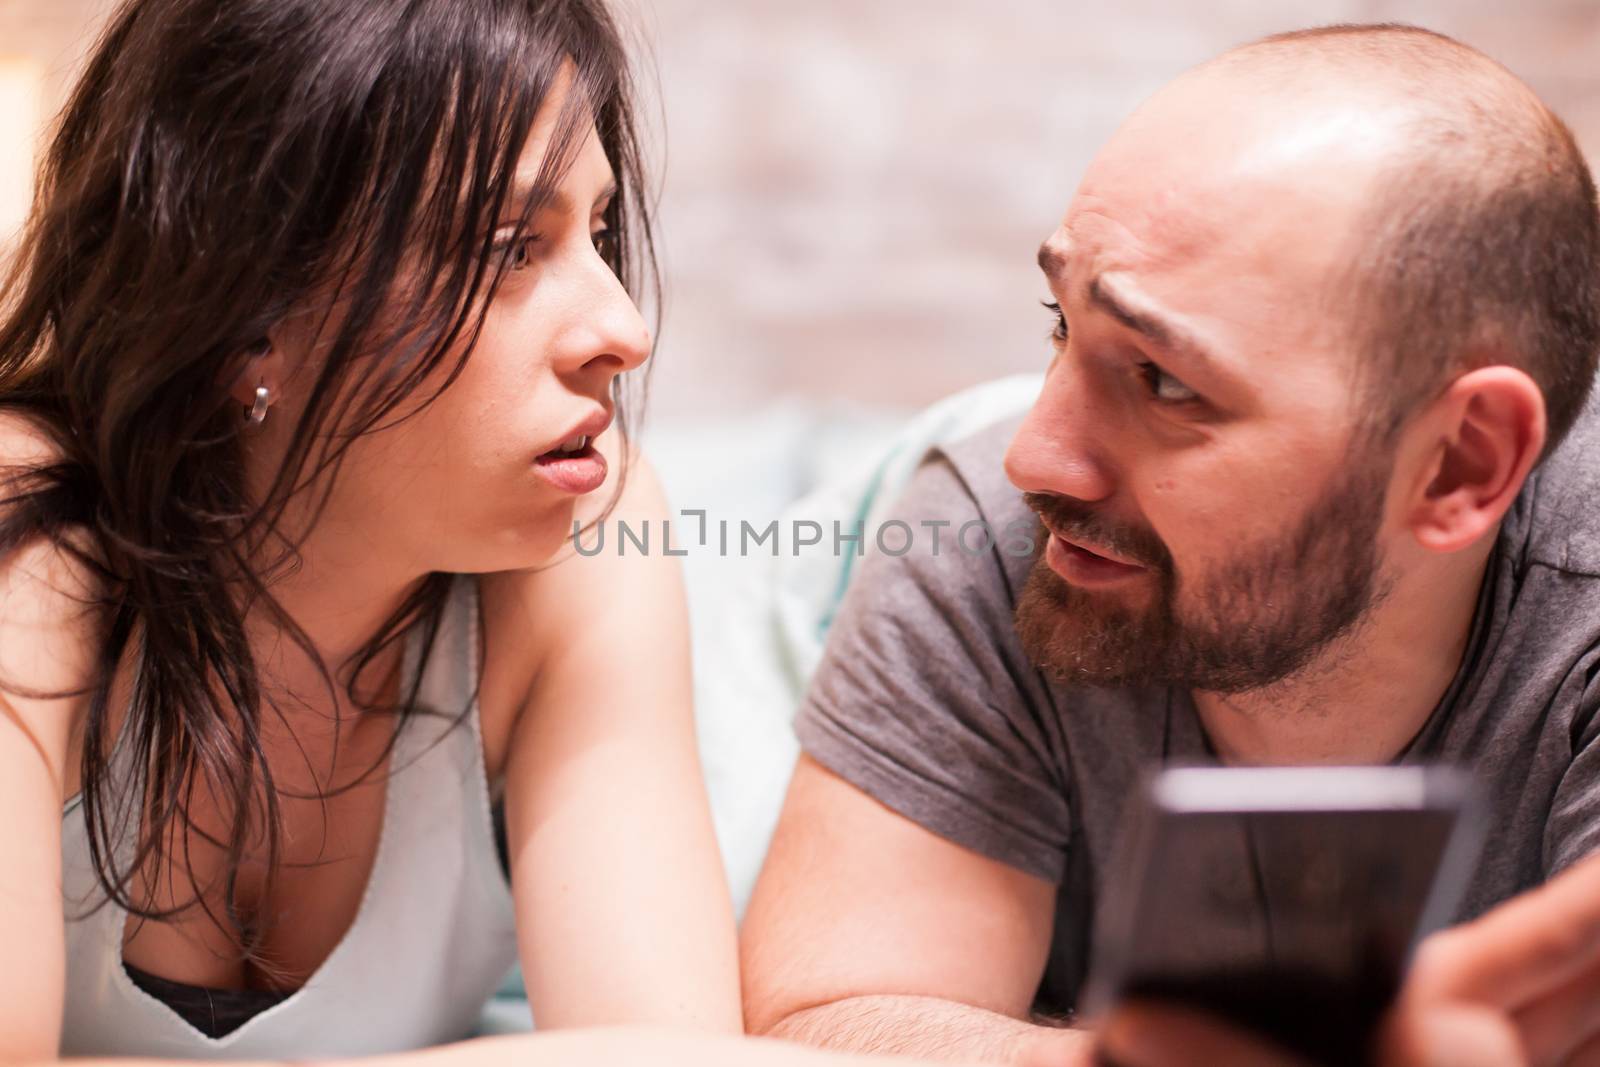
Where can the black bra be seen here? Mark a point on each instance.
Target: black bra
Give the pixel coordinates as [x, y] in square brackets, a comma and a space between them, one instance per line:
[213, 1012]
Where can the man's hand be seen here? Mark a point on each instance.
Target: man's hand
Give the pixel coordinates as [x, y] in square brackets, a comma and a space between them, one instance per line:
[1522, 983]
[1519, 987]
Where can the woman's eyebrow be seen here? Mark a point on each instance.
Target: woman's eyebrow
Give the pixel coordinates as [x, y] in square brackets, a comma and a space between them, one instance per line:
[549, 198]
[526, 192]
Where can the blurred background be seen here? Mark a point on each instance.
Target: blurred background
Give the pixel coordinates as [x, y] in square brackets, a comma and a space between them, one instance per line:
[853, 189]
[851, 196]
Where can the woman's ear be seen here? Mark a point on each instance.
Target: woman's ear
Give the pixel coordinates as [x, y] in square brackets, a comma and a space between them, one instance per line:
[262, 367]
[1487, 431]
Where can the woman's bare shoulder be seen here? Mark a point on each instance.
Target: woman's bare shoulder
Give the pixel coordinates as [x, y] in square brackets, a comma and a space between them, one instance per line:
[47, 585]
[48, 564]
[49, 598]
[25, 442]
[531, 615]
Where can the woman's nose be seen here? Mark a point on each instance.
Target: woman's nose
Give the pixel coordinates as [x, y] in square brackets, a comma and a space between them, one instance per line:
[610, 333]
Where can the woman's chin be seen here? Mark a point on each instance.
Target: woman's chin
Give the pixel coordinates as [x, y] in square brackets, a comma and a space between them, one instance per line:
[511, 547]
[542, 544]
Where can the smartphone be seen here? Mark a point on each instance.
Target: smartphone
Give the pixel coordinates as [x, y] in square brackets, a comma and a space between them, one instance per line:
[1286, 900]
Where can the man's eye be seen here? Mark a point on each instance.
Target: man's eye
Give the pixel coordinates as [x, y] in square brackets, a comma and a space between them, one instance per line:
[1163, 386]
[1059, 334]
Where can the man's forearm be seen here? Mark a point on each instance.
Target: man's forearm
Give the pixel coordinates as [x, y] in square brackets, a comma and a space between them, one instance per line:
[929, 1028]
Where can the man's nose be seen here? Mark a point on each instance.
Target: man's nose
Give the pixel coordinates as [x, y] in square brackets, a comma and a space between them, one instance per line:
[1057, 449]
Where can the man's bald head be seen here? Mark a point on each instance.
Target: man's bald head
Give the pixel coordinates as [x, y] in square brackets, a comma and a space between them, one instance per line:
[1406, 64]
[1482, 240]
[1319, 305]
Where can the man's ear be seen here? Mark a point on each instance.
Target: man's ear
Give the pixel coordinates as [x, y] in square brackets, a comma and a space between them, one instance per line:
[262, 365]
[1483, 436]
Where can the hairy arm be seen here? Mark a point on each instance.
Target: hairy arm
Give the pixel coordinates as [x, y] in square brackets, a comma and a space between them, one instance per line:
[869, 933]
[600, 1047]
[930, 1028]
[623, 910]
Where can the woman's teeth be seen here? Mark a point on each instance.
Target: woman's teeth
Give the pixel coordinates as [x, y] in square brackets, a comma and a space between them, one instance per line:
[577, 444]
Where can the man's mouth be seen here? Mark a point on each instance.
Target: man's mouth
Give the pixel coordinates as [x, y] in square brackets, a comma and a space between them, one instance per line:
[1092, 551]
[1085, 566]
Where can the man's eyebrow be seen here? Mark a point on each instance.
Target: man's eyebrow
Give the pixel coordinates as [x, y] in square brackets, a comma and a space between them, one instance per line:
[1052, 261]
[1145, 317]
[1130, 309]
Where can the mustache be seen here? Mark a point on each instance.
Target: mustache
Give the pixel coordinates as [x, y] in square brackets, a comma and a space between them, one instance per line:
[1081, 522]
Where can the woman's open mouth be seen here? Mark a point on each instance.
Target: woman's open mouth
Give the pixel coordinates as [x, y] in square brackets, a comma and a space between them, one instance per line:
[573, 467]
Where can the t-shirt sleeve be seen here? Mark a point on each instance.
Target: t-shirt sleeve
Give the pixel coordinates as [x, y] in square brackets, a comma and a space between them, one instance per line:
[1573, 829]
[923, 698]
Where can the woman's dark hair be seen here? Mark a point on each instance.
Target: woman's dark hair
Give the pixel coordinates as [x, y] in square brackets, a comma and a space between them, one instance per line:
[220, 163]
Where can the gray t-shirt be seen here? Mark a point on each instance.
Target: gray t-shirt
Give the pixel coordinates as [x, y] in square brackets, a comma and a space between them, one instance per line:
[925, 700]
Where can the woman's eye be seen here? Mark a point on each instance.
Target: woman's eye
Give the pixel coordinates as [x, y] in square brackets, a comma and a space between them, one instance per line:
[516, 253]
[605, 242]
[1060, 332]
[1163, 386]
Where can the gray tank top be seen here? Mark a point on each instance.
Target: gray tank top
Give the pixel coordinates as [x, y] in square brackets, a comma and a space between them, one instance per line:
[433, 937]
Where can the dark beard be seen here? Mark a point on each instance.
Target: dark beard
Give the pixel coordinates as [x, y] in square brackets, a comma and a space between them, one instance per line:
[1257, 619]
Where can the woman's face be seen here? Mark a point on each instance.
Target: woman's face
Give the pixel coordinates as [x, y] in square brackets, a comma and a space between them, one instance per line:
[472, 481]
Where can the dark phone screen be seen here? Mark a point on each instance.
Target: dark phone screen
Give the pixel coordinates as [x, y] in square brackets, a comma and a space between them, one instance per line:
[1293, 924]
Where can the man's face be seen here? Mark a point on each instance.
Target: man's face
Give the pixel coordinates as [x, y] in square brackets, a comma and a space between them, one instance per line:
[1215, 517]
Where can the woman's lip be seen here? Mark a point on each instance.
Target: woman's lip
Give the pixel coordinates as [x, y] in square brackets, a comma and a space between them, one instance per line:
[1084, 567]
[578, 473]
[591, 427]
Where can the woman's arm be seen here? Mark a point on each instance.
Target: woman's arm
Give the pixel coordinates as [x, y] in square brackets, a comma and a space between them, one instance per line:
[623, 910]
[673, 925]
[574, 1048]
[45, 647]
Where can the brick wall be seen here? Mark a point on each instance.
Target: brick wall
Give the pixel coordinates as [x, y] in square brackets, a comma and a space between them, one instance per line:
[854, 188]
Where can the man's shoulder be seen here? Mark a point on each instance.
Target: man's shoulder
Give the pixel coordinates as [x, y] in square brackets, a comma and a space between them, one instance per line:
[965, 481]
[978, 463]
[1556, 520]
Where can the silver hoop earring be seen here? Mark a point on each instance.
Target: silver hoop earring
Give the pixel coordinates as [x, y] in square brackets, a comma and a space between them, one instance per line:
[258, 410]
